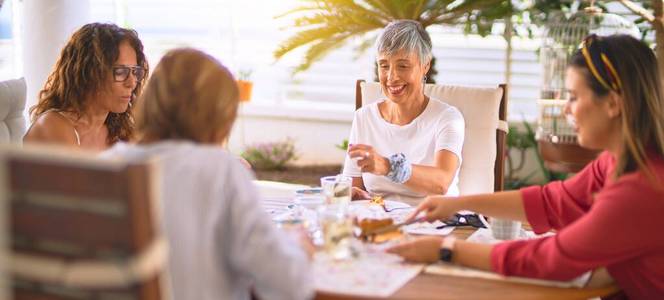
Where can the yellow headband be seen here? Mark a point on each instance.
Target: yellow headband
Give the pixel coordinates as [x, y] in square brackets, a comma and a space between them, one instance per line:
[613, 82]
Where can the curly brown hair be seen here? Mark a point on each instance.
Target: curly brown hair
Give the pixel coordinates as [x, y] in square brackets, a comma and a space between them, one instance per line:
[83, 68]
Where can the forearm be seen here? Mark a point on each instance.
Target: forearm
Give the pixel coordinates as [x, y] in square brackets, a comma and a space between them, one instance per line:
[502, 205]
[358, 182]
[472, 255]
[429, 180]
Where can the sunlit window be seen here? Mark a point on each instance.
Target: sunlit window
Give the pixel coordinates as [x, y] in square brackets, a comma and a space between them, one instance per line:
[244, 35]
[7, 58]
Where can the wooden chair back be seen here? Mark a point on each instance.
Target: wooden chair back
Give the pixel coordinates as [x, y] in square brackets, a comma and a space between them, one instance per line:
[80, 227]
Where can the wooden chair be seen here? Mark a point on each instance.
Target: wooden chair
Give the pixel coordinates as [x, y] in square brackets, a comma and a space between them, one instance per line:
[80, 227]
[485, 113]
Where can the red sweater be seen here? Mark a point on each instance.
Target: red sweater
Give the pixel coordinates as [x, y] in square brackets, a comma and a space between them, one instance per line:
[617, 224]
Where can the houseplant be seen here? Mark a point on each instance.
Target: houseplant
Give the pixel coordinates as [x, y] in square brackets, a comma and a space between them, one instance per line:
[271, 155]
[273, 161]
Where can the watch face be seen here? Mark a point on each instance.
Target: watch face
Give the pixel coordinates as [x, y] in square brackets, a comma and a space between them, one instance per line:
[446, 255]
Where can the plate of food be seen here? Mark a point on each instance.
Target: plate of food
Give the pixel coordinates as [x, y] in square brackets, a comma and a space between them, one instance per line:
[379, 202]
[378, 230]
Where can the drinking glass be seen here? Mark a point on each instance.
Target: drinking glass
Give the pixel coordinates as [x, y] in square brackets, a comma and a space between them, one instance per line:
[505, 229]
[337, 189]
[308, 200]
[337, 229]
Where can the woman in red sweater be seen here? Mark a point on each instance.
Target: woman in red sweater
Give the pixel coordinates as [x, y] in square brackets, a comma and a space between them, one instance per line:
[609, 215]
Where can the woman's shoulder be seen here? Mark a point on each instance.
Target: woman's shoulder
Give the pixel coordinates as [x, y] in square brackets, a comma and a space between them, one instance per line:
[52, 127]
[637, 182]
[444, 110]
[204, 158]
[367, 113]
[367, 109]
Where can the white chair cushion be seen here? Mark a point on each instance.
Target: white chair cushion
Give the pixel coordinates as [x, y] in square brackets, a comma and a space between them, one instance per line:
[12, 105]
[480, 107]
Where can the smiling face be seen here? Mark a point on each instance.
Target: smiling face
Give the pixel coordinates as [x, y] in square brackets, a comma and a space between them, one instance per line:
[117, 96]
[596, 119]
[400, 76]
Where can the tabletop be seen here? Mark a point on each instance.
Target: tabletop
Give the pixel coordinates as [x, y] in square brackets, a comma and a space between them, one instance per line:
[433, 286]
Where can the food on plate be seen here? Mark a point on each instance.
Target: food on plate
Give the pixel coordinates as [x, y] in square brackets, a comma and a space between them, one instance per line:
[368, 226]
[377, 200]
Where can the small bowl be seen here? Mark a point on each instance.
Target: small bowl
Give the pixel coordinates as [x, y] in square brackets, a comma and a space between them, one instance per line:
[310, 202]
[309, 198]
[309, 192]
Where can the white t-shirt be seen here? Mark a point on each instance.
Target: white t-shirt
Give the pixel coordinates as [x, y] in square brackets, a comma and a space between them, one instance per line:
[221, 241]
[439, 127]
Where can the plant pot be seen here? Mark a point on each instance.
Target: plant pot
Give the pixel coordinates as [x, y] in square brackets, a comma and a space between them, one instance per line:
[565, 157]
[245, 90]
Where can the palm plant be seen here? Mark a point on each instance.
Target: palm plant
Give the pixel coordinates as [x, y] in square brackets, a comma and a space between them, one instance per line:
[325, 25]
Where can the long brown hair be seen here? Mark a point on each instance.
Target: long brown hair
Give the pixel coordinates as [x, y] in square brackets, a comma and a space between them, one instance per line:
[639, 83]
[191, 96]
[84, 68]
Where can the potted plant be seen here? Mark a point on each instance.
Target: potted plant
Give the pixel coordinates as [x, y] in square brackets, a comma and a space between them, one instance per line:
[244, 84]
[270, 155]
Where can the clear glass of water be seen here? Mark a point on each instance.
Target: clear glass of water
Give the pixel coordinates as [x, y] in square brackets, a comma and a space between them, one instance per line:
[308, 201]
[337, 229]
[337, 189]
[505, 229]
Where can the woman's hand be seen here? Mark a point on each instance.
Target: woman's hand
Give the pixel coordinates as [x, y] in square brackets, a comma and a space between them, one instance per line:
[436, 208]
[420, 250]
[369, 160]
[359, 194]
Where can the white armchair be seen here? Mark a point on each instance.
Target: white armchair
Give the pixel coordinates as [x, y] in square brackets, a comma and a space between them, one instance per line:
[12, 106]
[485, 114]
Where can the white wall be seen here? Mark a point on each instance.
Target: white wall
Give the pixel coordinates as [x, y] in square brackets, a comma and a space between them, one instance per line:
[315, 132]
[46, 26]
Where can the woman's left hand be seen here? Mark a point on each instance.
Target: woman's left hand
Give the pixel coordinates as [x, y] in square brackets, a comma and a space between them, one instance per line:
[420, 250]
[369, 160]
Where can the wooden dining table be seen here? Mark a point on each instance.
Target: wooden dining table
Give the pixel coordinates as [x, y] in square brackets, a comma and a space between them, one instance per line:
[434, 286]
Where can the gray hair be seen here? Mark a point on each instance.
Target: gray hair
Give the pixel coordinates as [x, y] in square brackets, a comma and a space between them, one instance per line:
[406, 35]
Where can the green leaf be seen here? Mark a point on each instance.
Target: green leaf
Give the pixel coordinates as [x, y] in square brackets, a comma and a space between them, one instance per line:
[319, 49]
[303, 38]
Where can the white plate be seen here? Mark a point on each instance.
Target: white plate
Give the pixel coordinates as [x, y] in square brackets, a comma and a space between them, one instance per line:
[364, 209]
[388, 203]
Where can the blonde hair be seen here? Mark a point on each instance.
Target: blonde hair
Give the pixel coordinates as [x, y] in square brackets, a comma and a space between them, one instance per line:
[190, 96]
[639, 83]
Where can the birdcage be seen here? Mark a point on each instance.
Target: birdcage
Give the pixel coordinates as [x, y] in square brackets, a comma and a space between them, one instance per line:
[560, 40]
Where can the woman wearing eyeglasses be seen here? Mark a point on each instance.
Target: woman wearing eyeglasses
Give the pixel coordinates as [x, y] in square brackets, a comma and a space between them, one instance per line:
[86, 101]
[608, 216]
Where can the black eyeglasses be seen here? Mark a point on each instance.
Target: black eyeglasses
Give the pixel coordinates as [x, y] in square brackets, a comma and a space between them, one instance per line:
[460, 220]
[121, 73]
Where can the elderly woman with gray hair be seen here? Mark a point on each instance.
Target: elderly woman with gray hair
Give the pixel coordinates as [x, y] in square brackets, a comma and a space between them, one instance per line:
[408, 145]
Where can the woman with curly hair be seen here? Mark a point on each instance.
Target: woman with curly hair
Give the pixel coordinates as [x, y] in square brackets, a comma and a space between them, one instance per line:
[86, 101]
